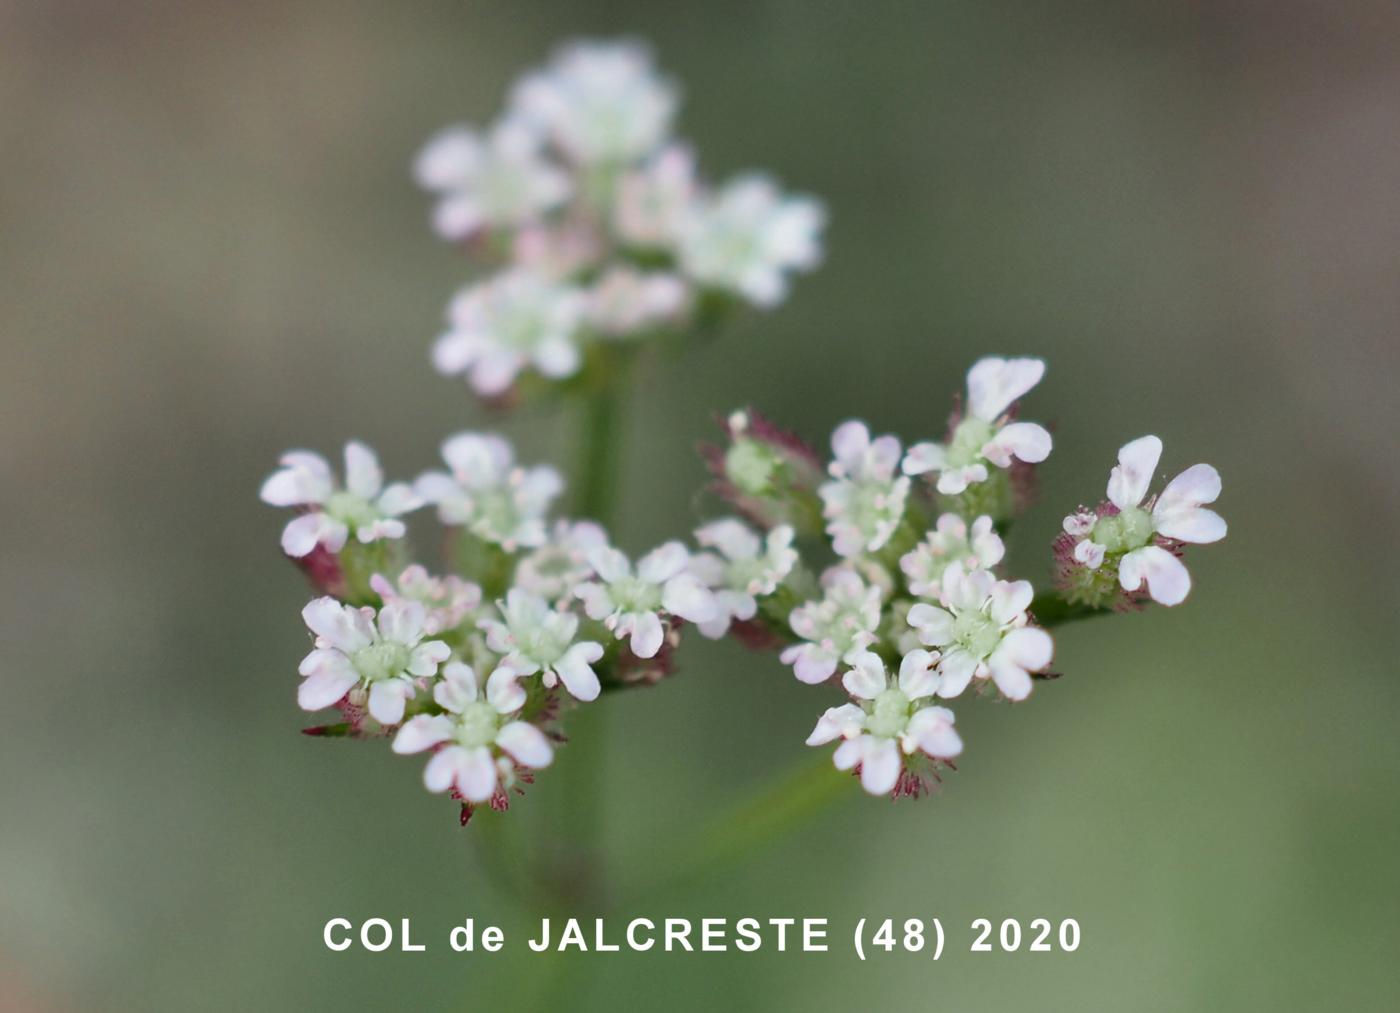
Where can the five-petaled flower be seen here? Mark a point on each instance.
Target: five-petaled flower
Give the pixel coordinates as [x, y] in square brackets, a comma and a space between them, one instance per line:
[743, 567]
[985, 434]
[632, 604]
[478, 742]
[488, 494]
[888, 721]
[835, 627]
[1130, 533]
[364, 507]
[951, 541]
[864, 501]
[982, 631]
[383, 656]
[448, 600]
[533, 638]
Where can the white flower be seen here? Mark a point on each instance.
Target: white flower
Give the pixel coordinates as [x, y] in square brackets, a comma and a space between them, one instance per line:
[365, 507]
[631, 604]
[488, 494]
[746, 238]
[559, 565]
[744, 568]
[888, 721]
[1132, 533]
[864, 502]
[951, 542]
[536, 638]
[558, 250]
[354, 648]
[448, 600]
[836, 627]
[985, 435]
[501, 180]
[601, 103]
[982, 632]
[653, 201]
[480, 745]
[625, 301]
[515, 320]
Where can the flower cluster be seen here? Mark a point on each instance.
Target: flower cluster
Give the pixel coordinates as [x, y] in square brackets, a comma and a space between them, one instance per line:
[593, 225]
[915, 606]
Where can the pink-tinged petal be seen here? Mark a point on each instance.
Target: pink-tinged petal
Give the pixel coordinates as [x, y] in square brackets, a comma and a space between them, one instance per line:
[386, 700]
[478, 458]
[732, 537]
[457, 688]
[1030, 647]
[437, 487]
[879, 765]
[647, 634]
[455, 353]
[1178, 508]
[1137, 461]
[1198, 526]
[495, 371]
[304, 478]
[916, 675]
[325, 659]
[426, 657]
[810, 664]
[1080, 524]
[476, 775]
[994, 384]
[397, 499]
[302, 534]
[848, 754]
[449, 161]
[849, 443]
[1025, 441]
[443, 769]
[401, 620]
[504, 692]
[345, 628]
[923, 458]
[458, 217]
[686, 597]
[866, 679]
[1168, 581]
[608, 563]
[955, 670]
[1013, 681]
[597, 602]
[557, 358]
[932, 730]
[836, 723]
[1195, 486]
[1009, 599]
[422, 732]
[933, 624]
[576, 673]
[1089, 553]
[526, 743]
[363, 476]
[956, 480]
[323, 688]
[662, 563]
[334, 534]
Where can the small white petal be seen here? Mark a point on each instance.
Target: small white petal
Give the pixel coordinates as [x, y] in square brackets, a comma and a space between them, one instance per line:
[324, 687]
[932, 729]
[1168, 581]
[401, 621]
[386, 700]
[662, 563]
[933, 624]
[686, 597]
[1025, 441]
[880, 764]
[847, 754]
[476, 775]
[302, 534]
[994, 384]
[916, 675]
[526, 743]
[647, 634]
[923, 458]
[1009, 599]
[504, 692]
[363, 476]
[866, 679]
[422, 732]
[575, 671]
[836, 723]
[340, 626]
[1128, 482]
[442, 770]
[955, 670]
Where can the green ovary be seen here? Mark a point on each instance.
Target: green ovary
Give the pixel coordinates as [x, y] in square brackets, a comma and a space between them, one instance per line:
[351, 510]
[968, 440]
[383, 660]
[477, 724]
[1124, 531]
[750, 466]
[977, 633]
[632, 594]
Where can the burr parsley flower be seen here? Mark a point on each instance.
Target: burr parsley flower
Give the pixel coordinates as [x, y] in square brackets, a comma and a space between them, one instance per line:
[951, 541]
[626, 302]
[533, 638]
[477, 744]
[982, 631]
[559, 565]
[835, 627]
[654, 200]
[743, 567]
[631, 603]
[488, 494]
[985, 435]
[364, 507]
[888, 721]
[864, 502]
[448, 601]
[517, 320]
[600, 103]
[747, 238]
[1130, 535]
[501, 180]
[380, 655]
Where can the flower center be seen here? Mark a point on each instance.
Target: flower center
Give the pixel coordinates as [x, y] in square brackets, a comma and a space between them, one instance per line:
[977, 633]
[968, 440]
[477, 724]
[495, 512]
[632, 594]
[384, 660]
[351, 510]
[1124, 531]
[750, 466]
[890, 714]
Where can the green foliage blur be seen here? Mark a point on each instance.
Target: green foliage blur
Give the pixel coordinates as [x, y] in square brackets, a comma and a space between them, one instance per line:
[212, 252]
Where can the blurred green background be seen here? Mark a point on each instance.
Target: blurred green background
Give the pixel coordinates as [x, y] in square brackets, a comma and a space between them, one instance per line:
[212, 251]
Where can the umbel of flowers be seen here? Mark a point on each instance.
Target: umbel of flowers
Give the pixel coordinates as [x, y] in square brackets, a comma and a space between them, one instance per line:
[591, 226]
[882, 573]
